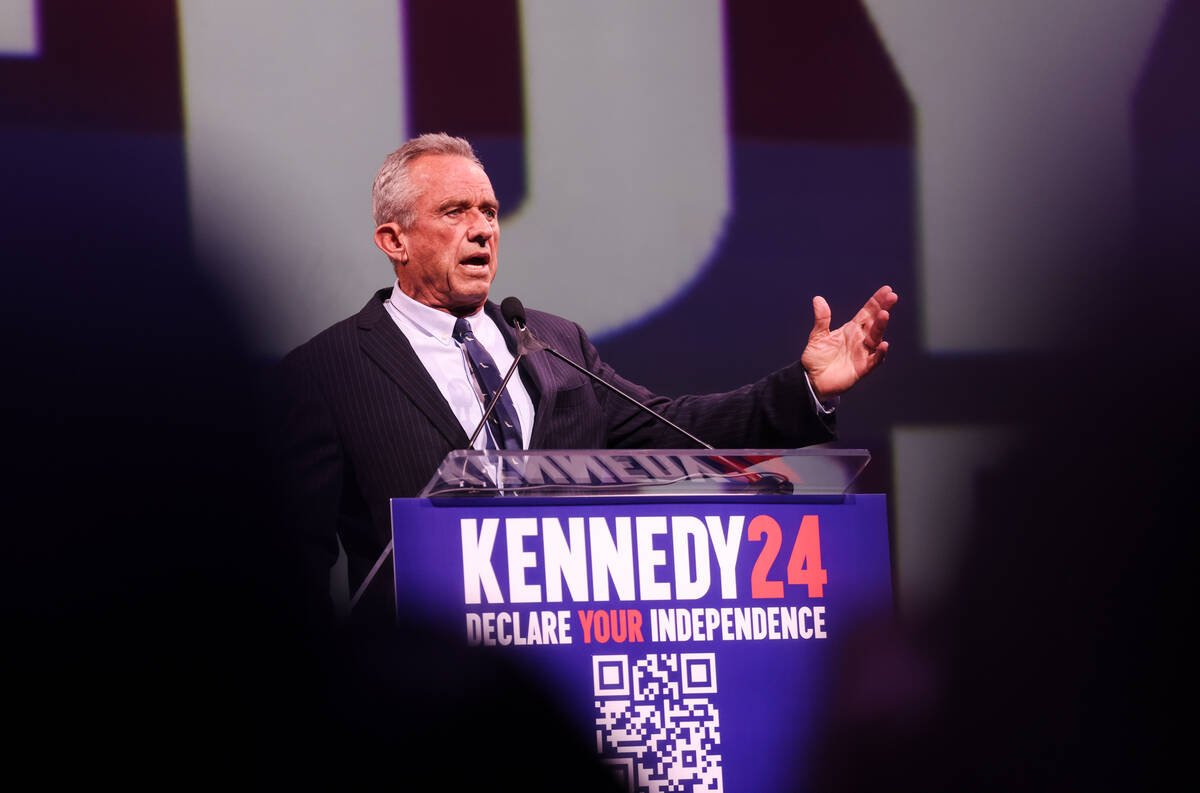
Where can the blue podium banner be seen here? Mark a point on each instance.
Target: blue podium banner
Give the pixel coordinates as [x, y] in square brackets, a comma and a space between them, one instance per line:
[693, 636]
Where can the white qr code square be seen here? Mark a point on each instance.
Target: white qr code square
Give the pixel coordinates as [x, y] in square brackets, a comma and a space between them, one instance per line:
[655, 722]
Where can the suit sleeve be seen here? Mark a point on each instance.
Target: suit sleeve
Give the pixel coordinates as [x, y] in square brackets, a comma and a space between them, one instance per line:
[778, 411]
[310, 468]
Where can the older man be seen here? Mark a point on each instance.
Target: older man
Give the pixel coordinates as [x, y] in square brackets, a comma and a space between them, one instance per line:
[378, 400]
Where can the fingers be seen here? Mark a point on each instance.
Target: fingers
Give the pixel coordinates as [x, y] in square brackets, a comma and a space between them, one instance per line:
[874, 358]
[873, 318]
[886, 297]
[821, 316]
[874, 331]
[883, 300]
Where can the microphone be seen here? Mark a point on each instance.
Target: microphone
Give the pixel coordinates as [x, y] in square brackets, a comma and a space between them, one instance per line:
[514, 314]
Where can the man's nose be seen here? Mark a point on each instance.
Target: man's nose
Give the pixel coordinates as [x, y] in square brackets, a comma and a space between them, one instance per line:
[481, 229]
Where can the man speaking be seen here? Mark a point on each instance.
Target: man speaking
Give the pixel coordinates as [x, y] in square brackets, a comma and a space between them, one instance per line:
[376, 402]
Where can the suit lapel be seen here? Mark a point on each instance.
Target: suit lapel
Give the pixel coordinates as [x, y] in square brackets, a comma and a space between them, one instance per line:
[387, 346]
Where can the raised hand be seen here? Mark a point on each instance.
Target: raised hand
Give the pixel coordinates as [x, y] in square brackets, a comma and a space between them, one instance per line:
[836, 360]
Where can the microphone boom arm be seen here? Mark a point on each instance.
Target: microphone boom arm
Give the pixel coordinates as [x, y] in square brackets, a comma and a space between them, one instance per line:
[622, 394]
[514, 316]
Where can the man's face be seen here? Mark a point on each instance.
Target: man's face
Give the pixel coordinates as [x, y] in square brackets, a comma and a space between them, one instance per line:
[448, 256]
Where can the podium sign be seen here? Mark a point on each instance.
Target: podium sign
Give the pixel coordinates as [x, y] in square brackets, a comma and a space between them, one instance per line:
[691, 635]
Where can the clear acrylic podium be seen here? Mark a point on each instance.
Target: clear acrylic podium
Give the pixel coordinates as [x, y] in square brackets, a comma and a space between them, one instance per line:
[646, 472]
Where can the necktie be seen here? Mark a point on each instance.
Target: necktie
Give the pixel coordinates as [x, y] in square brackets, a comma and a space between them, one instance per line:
[504, 428]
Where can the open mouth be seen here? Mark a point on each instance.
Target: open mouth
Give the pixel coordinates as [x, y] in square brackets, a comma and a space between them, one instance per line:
[478, 260]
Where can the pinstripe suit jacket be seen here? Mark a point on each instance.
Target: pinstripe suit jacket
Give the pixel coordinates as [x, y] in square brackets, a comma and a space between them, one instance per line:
[365, 423]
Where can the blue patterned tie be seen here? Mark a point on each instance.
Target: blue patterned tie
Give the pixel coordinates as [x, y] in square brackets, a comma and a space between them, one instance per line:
[504, 430]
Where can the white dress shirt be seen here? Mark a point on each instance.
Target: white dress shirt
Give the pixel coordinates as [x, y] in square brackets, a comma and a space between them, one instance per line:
[430, 332]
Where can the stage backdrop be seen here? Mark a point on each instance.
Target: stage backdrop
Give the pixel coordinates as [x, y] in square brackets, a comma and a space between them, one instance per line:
[679, 176]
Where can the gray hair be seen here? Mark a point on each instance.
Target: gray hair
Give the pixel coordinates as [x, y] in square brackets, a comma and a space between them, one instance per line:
[393, 196]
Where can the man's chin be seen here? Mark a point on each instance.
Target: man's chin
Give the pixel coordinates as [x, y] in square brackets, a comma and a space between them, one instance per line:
[468, 302]
[474, 292]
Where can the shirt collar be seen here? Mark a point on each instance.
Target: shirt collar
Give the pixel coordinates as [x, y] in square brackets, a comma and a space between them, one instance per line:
[427, 319]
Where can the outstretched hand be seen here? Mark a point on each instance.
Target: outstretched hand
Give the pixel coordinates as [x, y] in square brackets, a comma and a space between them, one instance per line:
[836, 360]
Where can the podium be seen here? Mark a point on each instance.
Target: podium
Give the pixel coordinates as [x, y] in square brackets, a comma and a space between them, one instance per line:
[685, 605]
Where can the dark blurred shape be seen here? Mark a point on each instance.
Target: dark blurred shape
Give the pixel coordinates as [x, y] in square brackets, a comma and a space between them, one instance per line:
[1166, 130]
[109, 66]
[156, 630]
[492, 118]
[1060, 659]
[1056, 660]
[812, 72]
[440, 63]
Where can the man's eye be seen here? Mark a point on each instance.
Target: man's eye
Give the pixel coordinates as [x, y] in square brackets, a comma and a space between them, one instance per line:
[490, 214]
[453, 212]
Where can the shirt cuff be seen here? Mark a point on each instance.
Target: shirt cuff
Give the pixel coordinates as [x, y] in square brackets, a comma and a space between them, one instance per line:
[828, 406]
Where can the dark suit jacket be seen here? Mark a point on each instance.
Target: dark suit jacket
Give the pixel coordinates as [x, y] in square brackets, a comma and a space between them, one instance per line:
[365, 423]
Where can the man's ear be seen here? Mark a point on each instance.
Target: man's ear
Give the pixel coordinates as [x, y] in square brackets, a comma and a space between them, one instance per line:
[390, 239]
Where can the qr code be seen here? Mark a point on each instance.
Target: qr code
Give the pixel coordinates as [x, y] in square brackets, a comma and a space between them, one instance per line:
[656, 724]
